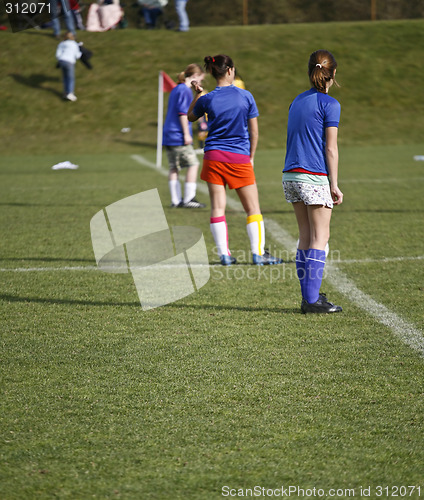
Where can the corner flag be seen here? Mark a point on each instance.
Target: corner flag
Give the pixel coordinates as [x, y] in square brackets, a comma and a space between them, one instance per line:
[166, 84]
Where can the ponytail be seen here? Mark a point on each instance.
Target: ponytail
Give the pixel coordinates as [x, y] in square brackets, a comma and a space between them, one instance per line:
[321, 69]
[218, 65]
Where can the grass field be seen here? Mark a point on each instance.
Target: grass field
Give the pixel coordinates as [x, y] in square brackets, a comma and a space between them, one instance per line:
[230, 386]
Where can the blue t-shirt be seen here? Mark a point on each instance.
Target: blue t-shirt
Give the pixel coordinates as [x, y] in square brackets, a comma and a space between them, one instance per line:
[228, 109]
[309, 115]
[178, 104]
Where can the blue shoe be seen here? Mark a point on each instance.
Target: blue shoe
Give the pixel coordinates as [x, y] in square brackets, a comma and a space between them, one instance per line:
[227, 260]
[266, 259]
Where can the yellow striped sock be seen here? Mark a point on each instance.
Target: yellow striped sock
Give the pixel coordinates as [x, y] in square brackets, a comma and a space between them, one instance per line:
[255, 235]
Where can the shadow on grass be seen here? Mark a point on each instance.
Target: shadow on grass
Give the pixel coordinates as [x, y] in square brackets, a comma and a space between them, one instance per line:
[52, 205]
[200, 307]
[38, 32]
[36, 81]
[45, 259]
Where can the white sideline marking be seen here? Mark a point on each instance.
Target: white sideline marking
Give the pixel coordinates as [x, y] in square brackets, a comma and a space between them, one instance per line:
[235, 205]
[268, 222]
[405, 331]
[383, 260]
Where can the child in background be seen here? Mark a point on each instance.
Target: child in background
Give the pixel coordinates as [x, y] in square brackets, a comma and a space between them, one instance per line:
[67, 54]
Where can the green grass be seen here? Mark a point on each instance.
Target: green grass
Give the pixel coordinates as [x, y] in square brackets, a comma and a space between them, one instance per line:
[230, 385]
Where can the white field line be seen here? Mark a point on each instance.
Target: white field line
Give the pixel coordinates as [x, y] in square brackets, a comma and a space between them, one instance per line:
[46, 269]
[380, 261]
[235, 205]
[408, 333]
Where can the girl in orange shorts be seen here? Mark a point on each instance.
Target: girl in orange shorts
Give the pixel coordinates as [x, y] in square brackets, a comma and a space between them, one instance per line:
[229, 155]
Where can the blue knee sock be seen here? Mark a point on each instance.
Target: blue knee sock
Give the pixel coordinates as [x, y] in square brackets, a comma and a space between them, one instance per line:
[300, 268]
[314, 270]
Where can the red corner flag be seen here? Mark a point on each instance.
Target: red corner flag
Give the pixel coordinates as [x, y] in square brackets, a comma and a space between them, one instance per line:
[168, 82]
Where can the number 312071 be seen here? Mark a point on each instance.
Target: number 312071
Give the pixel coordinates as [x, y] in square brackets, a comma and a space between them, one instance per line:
[27, 8]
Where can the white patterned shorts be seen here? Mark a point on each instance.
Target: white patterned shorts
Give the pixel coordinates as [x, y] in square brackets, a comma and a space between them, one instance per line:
[309, 194]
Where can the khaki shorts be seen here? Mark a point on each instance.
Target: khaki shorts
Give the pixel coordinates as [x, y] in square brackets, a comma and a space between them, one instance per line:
[181, 157]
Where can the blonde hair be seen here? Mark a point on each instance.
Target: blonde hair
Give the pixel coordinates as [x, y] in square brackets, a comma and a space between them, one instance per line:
[192, 69]
[321, 68]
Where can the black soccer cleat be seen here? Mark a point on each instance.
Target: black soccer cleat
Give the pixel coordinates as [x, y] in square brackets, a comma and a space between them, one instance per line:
[321, 306]
[193, 204]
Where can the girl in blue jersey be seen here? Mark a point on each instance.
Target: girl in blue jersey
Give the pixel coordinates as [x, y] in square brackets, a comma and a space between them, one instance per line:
[178, 140]
[229, 154]
[310, 176]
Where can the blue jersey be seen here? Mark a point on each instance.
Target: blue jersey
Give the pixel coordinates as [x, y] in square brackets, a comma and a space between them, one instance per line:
[228, 109]
[178, 104]
[309, 115]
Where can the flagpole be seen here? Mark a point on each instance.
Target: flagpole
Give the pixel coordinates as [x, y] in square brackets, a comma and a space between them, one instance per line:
[160, 122]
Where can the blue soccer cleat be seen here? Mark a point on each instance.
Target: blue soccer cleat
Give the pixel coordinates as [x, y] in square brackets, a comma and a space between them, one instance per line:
[266, 259]
[227, 260]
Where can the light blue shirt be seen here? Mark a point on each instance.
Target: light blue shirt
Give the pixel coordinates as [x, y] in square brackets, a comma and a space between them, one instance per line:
[68, 51]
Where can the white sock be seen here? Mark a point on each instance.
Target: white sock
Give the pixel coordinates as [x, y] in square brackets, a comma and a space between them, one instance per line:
[256, 232]
[175, 190]
[220, 234]
[189, 191]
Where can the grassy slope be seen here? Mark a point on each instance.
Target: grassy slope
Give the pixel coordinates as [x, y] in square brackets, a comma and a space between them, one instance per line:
[379, 69]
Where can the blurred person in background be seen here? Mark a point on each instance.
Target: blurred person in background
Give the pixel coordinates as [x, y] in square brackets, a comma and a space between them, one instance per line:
[178, 140]
[180, 7]
[61, 8]
[67, 54]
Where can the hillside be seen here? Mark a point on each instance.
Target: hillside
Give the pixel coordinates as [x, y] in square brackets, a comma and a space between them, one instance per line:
[380, 72]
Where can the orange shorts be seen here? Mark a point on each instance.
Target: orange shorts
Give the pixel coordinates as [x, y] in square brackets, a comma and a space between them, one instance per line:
[236, 175]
